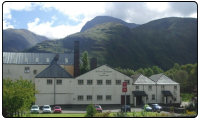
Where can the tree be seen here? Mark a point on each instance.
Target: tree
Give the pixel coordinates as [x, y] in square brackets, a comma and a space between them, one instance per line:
[156, 70]
[91, 111]
[17, 96]
[85, 66]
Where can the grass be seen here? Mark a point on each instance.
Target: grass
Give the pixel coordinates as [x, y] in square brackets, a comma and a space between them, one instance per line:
[129, 114]
[56, 115]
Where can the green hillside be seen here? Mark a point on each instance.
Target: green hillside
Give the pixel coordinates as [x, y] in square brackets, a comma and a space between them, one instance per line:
[161, 42]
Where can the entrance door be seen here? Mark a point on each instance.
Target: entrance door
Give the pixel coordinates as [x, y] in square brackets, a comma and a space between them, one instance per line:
[127, 99]
[139, 100]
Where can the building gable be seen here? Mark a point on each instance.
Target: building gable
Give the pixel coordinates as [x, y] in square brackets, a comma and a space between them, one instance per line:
[104, 71]
[143, 80]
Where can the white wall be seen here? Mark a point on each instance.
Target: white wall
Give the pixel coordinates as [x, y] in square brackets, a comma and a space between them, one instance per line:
[14, 71]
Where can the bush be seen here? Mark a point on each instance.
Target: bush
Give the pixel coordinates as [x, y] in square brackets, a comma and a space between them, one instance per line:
[91, 111]
[106, 114]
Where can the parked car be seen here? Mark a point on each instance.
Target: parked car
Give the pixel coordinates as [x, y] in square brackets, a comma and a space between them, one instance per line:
[57, 109]
[156, 107]
[126, 107]
[46, 109]
[98, 108]
[147, 108]
[35, 109]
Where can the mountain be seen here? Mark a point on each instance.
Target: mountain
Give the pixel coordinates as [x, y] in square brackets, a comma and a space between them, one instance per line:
[161, 42]
[20, 39]
[105, 19]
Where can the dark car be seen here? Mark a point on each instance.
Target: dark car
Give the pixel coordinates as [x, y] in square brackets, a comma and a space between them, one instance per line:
[57, 109]
[98, 108]
[156, 107]
[126, 107]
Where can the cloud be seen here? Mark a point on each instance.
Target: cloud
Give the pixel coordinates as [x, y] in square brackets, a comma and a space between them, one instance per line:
[52, 32]
[7, 25]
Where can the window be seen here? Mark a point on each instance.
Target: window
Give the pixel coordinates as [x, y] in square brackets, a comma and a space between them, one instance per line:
[89, 97]
[137, 87]
[99, 82]
[26, 69]
[59, 82]
[108, 82]
[128, 82]
[153, 97]
[162, 87]
[80, 98]
[89, 82]
[150, 88]
[175, 87]
[99, 97]
[108, 97]
[80, 82]
[34, 72]
[49, 82]
[118, 82]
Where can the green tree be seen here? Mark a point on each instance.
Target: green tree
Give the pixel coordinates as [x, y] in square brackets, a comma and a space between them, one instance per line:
[156, 70]
[181, 77]
[17, 96]
[91, 111]
[148, 72]
[85, 66]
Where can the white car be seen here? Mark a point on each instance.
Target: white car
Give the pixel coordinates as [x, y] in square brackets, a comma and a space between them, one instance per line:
[46, 109]
[35, 109]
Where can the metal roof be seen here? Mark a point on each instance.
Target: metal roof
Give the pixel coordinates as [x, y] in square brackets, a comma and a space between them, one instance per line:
[37, 58]
[54, 71]
[162, 79]
[141, 79]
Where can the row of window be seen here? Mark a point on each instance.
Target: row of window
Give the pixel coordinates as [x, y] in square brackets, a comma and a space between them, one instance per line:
[137, 87]
[90, 97]
[47, 60]
[58, 82]
[27, 70]
[100, 82]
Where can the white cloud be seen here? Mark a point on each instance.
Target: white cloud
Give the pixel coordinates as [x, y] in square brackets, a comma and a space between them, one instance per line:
[7, 25]
[157, 6]
[52, 32]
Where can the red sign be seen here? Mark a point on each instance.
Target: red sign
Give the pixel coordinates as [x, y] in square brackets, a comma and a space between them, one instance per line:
[124, 89]
[124, 84]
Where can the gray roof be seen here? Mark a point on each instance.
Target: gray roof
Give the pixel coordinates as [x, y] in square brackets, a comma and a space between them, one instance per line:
[141, 79]
[162, 79]
[36, 58]
[54, 71]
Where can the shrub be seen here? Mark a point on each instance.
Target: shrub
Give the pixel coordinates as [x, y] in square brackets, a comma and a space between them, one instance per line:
[190, 113]
[106, 114]
[91, 111]
[143, 113]
[171, 109]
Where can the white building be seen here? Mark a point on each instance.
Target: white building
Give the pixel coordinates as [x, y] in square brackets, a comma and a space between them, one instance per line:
[102, 85]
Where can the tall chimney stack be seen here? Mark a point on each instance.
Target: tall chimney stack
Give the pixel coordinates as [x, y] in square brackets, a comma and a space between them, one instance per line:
[76, 59]
[93, 63]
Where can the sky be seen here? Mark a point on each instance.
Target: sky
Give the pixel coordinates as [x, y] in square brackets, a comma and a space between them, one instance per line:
[59, 19]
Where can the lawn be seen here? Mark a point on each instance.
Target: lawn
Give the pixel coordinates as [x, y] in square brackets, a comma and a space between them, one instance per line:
[129, 114]
[56, 115]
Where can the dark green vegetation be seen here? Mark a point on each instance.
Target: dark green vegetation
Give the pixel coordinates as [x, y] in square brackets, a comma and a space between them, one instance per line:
[186, 75]
[85, 65]
[160, 43]
[17, 97]
[20, 39]
[90, 111]
[186, 97]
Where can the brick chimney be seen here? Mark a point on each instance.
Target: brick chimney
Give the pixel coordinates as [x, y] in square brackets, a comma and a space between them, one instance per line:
[76, 59]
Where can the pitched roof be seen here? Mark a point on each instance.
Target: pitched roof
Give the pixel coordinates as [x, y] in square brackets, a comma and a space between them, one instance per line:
[36, 58]
[162, 79]
[141, 79]
[54, 71]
